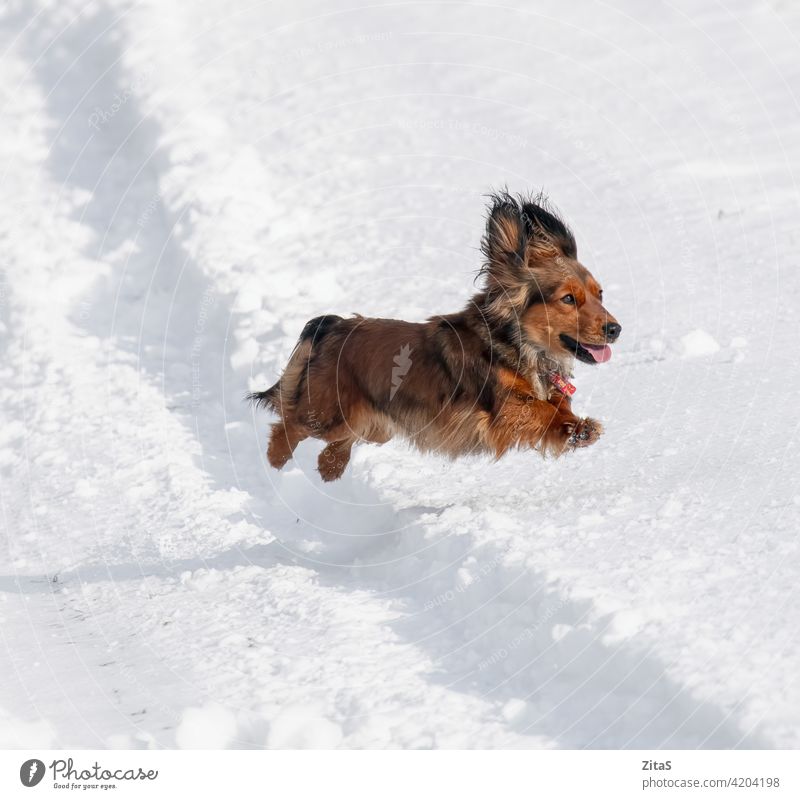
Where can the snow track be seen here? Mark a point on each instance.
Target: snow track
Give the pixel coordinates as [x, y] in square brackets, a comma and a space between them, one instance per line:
[189, 183]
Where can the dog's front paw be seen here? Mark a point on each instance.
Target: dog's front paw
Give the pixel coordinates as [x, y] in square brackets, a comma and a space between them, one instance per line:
[583, 433]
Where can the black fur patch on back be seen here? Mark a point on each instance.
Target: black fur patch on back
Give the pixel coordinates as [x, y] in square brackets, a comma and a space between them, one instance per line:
[317, 328]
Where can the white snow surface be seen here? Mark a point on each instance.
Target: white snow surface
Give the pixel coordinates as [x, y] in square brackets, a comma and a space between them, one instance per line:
[184, 184]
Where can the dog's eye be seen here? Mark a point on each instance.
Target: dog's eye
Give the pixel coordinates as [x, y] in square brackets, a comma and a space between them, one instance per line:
[601, 295]
[569, 299]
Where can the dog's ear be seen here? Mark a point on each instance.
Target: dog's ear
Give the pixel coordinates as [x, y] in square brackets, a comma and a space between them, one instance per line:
[505, 245]
[546, 229]
[520, 232]
[523, 237]
[505, 241]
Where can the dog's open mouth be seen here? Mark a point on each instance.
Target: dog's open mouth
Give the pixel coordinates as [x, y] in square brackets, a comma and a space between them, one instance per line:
[588, 353]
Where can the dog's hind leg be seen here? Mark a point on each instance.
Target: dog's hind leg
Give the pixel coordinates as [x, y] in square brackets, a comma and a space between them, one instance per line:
[334, 458]
[282, 442]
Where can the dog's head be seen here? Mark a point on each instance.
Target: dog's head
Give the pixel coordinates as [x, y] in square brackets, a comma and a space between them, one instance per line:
[537, 291]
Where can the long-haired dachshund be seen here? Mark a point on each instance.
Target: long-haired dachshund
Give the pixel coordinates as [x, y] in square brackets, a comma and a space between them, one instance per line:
[491, 377]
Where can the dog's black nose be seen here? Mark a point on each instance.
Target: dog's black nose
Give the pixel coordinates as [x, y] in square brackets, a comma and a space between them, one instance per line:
[612, 330]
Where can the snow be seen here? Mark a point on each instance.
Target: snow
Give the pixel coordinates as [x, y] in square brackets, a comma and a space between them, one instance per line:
[185, 184]
[302, 727]
[18, 734]
[698, 343]
[209, 727]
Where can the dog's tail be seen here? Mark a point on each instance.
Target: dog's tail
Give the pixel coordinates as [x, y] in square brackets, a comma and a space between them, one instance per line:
[265, 399]
[286, 392]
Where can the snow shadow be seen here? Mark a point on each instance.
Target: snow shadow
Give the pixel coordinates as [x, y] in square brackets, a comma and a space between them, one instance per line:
[556, 669]
[506, 634]
[152, 304]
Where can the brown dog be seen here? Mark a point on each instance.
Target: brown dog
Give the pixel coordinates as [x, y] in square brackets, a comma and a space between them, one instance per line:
[486, 379]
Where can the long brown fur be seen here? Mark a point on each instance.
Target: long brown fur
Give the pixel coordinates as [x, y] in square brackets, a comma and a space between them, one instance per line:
[476, 381]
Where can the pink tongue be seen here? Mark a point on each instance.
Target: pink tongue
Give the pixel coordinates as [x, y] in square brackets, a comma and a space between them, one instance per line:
[600, 354]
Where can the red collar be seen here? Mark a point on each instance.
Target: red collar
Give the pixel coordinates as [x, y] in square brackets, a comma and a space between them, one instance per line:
[562, 384]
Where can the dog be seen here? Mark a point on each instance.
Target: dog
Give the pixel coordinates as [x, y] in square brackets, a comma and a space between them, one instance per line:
[492, 377]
